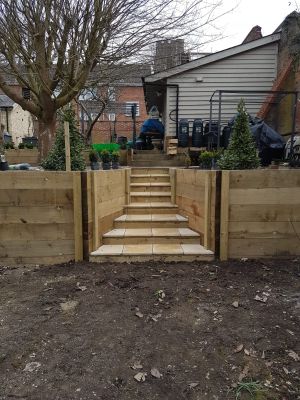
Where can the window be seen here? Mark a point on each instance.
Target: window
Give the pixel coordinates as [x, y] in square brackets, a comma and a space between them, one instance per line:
[111, 116]
[88, 94]
[128, 108]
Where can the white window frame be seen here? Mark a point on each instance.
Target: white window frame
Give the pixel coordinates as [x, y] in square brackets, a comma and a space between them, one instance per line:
[128, 105]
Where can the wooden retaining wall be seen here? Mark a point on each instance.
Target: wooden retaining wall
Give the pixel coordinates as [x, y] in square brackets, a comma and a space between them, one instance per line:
[40, 217]
[196, 197]
[18, 156]
[260, 214]
[104, 196]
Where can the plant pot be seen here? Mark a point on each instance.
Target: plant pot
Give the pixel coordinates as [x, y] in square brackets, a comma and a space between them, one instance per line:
[106, 165]
[95, 165]
[115, 165]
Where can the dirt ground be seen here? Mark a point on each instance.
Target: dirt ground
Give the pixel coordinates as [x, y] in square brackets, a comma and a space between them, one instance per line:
[192, 331]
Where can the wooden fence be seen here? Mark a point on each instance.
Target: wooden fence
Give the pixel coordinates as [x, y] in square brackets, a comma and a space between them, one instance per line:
[40, 217]
[196, 197]
[260, 213]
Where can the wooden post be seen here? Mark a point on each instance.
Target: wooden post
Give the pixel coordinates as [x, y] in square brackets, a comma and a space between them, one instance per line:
[77, 204]
[67, 145]
[224, 215]
[207, 211]
[96, 239]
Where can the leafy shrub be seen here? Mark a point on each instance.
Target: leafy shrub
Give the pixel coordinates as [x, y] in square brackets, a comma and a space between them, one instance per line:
[115, 156]
[241, 152]
[56, 158]
[21, 146]
[9, 145]
[105, 156]
[206, 158]
[93, 156]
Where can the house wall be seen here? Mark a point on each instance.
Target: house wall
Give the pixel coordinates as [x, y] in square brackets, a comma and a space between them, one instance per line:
[252, 70]
[104, 128]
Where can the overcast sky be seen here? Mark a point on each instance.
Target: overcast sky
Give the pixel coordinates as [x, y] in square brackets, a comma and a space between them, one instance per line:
[236, 25]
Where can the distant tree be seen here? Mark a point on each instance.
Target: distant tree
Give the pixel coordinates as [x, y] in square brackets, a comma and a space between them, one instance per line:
[51, 46]
[241, 152]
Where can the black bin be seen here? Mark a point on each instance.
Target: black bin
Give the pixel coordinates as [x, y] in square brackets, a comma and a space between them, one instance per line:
[32, 140]
[197, 134]
[183, 134]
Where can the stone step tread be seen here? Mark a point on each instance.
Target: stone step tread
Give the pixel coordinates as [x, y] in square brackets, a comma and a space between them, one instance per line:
[151, 194]
[149, 175]
[151, 217]
[157, 184]
[152, 205]
[151, 232]
[149, 249]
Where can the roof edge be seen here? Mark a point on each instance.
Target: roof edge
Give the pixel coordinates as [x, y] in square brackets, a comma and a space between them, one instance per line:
[231, 51]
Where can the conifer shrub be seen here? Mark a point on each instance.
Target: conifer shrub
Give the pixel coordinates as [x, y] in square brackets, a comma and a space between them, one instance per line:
[56, 158]
[241, 152]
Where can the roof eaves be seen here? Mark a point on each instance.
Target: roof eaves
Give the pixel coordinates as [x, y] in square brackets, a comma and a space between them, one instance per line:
[214, 57]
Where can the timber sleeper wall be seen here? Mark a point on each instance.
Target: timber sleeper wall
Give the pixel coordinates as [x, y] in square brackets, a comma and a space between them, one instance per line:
[196, 196]
[260, 214]
[40, 217]
[105, 193]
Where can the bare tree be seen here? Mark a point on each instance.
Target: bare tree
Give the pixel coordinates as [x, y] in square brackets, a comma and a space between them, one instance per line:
[51, 46]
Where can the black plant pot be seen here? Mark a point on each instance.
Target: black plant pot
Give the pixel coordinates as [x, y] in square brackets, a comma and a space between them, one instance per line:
[106, 165]
[115, 165]
[95, 165]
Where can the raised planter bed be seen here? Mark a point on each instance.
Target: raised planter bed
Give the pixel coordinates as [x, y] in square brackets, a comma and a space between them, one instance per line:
[17, 156]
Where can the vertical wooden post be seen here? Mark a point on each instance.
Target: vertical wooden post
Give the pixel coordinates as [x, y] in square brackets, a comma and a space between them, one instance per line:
[127, 184]
[96, 239]
[67, 145]
[224, 215]
[207, 210]
[172, 172]
[77, 209]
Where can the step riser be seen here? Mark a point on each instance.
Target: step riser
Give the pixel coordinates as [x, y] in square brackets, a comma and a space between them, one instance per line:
[151, 179]
[151, 240]
[166, 163]
[150, 189]
[146, 210]
[150, 199]
[147, 171]
[149, 224]
[166, 258]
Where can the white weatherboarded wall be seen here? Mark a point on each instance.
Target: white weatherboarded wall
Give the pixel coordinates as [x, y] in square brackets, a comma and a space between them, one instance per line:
[255, 69]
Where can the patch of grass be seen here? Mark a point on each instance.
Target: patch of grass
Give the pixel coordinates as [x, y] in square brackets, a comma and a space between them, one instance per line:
[254, 388]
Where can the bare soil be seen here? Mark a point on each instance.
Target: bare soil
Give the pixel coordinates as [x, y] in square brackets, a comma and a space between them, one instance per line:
[76, 331]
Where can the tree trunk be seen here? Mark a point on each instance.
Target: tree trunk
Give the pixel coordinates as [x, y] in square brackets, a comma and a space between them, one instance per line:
[46, 133]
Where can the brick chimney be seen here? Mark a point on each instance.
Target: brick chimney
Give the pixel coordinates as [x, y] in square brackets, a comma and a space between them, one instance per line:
[254, 34]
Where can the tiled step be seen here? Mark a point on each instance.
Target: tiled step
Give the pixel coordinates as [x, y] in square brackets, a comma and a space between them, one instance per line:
[149, 171]
[147, 252]
[151, 208]
[139, 178]
[151, 221]
[151, 235]
[151, 187]
[148, 197]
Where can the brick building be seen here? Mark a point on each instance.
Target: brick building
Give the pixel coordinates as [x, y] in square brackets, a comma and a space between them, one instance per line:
[125, 90]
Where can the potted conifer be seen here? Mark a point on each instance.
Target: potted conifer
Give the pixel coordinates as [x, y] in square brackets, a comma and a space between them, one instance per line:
[115, 156]
[94, 160]
[105, 158]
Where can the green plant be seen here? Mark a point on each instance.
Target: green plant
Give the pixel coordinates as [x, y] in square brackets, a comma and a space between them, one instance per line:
[56, 159]
[29, 146]
[205, 159]
[9, 145]
[252, 387]
[241, 152]
[93, 156]
[21, 146]
[115, 156]
[187, 160]
[105, 156]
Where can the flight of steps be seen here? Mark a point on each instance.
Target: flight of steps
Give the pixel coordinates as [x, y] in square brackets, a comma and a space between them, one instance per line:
[151, 228]
[150, 158]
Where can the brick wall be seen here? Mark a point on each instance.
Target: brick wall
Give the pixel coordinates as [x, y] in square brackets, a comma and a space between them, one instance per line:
[123, 126]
